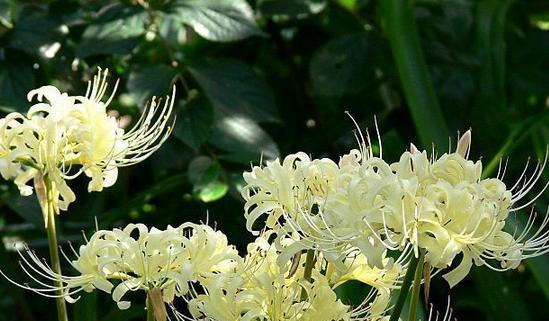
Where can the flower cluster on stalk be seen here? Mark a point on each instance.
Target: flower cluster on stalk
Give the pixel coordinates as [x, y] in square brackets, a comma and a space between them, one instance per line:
[439, 204]
[63, 136]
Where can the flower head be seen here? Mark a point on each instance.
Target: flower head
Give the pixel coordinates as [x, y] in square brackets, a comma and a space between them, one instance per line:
[136, 258]
[64, 136]
[440, 204]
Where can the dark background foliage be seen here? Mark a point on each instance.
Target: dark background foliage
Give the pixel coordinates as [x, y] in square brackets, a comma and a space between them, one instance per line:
[270, 77]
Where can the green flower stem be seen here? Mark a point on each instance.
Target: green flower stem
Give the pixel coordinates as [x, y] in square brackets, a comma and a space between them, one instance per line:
[417, 285]
[405, 288]
[54, 250]
[150, 310]
[309, 264]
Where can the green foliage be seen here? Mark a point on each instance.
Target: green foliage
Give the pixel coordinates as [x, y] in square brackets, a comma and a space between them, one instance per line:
[257, 80]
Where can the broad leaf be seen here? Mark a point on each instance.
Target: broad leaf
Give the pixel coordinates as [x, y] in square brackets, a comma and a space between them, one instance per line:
[234, 88]
[204, 174]
[150, 81]
[290, 8]
[16, 80]
[218, 20]
[37, 34]
[117, 31]
[243, 140]
[194, 121]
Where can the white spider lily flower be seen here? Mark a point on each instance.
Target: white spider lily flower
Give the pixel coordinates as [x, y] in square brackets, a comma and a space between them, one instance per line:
[265, 290]
[136, 258]
[441, 205]
[64, 136]
[458, 212]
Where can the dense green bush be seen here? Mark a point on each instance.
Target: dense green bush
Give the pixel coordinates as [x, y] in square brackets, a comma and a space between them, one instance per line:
[260, 79]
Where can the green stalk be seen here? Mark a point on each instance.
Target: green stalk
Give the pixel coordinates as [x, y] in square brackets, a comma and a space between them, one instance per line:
[307, 272]
[405, 288]
[150, 310]
[398, 21]
[54, 250]
[415, 290]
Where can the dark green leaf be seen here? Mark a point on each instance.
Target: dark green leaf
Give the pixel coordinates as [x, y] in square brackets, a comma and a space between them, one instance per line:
[194, 121]
[290, 8]
[150, 81]
[85, 309]
[16, 80]
[197, 167]
[218, 20]
[234, 88]
[37, 34]
[342, 66]
[8, 11]
[117, 31]
[496, 294]
[26, 207]
[243, 140]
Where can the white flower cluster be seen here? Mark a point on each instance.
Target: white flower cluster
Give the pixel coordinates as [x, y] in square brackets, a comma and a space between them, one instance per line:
[268, 290]
[440, 205]
[64, 136]
[135, 258]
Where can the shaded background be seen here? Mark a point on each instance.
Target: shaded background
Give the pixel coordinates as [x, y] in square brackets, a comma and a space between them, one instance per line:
[272, 77]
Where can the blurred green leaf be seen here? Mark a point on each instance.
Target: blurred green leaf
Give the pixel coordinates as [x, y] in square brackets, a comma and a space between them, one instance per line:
[500, 299]
[152, 81]
[8, 12]
[16, 80]
[194, 121]
[26, 207]
[290, 8]
[197, 167]
[400, 27]
[85, 309]
[243, 140]
[117, 31]
[218, 20]
[342, 66]
[213, 191]
[170, 30]
[37, 34]
[204, 174]
[491, 15]
[234, 88]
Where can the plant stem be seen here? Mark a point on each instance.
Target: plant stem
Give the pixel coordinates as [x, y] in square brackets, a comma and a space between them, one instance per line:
[54, 250]
[417, 285]
[398, 21]
[309, 263]
[150, 309]
[405, 288]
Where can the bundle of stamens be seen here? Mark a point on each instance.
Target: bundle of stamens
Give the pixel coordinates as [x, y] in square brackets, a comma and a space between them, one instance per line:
[161, 262]
[65, 136]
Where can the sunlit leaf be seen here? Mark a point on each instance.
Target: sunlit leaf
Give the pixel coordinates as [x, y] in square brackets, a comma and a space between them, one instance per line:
[243, 140]
[290, 8]
[116, 31]
[218, 20]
